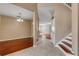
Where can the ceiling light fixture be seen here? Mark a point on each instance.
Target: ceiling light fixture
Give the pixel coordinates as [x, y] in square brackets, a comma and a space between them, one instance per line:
[19, 18]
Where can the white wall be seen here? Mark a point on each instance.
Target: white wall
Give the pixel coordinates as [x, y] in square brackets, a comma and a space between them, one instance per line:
[45, 28]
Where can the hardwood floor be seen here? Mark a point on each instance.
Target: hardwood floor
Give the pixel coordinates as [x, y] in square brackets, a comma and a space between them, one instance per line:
[10, 46]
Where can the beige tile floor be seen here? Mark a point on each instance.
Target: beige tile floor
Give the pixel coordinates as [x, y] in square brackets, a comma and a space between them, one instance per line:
[45, 48]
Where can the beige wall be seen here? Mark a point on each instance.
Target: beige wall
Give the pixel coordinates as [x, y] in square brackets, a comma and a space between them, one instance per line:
[75, 28]
[11, 29]
[0, 20]
[0, 25]
[62, 19]
[63, 22]
[31, 28]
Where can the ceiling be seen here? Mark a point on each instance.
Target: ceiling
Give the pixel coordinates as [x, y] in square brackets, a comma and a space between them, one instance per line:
[12, 10]
[45, 14]
[29, 6]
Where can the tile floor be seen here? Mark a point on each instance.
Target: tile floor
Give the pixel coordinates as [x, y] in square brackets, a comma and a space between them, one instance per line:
[45, 48]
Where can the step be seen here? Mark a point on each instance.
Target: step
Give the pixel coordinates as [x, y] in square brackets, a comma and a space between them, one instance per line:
[68, 39]
[65, 49]
[68, 44]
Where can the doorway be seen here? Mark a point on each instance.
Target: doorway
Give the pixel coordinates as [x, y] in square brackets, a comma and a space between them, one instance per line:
[46, 25]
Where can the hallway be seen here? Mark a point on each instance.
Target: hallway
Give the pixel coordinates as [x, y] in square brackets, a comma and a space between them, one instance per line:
[44, 49]
[43, 24]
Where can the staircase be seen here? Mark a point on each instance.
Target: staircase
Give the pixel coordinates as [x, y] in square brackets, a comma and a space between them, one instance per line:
[66, 45]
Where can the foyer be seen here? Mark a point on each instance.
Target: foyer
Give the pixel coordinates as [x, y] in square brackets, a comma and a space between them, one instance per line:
[38, 29]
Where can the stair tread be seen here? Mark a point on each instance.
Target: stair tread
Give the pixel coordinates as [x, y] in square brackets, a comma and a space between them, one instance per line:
[70, 42]
[68, 39]
[65, 49]
[67, 44]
